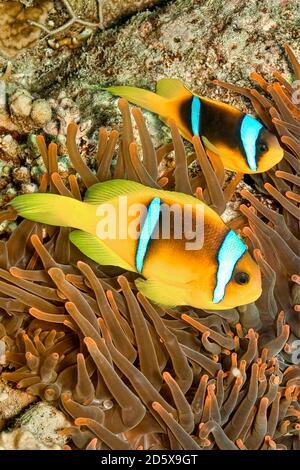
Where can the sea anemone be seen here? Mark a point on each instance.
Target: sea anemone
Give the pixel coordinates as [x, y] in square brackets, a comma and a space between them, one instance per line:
[278, 239]
[134, 375]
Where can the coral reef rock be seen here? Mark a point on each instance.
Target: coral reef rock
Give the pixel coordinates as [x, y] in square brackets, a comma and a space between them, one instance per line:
[12, 402]
[116, 9]
[190, 40]
[16, 33]
[36, 429]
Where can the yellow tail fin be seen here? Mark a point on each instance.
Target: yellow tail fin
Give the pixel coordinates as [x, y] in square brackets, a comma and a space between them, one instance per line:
[52, 209]
[144, 98]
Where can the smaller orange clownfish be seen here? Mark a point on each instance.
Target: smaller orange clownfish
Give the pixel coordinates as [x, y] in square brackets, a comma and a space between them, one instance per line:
[241, 141]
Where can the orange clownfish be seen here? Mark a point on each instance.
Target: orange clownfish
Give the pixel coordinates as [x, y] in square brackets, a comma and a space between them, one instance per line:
[241, 141]
[183, 250]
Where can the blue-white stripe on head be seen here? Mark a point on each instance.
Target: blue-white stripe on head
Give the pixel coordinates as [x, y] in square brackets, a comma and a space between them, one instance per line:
[148, 228]
[250, 129]
[230, 251]
[195, 115]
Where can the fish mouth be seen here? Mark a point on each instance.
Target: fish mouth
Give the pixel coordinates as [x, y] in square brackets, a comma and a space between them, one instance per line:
[248, 300]
[276, 156]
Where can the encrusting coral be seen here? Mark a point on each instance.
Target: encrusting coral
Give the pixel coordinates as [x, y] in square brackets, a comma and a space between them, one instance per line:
[16, 34]
[73, 19]
[36, 429]
[21, 27]
[107, 13]
[133, 375]
[12, 401]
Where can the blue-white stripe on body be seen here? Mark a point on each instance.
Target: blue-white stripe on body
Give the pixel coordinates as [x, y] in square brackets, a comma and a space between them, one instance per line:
[230, 251]
[195, 115]
[250, 129]
[148, 228]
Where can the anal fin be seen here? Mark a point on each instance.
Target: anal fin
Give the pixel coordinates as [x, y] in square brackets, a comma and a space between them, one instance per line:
[94, 248]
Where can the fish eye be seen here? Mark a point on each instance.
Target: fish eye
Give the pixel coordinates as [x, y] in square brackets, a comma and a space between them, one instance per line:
[263, 147]
[241, 278]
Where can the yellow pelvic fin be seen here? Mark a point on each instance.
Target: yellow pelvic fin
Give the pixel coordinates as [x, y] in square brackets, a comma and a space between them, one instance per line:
[161, 293]
[144, 98]
[172, 88]
[94, 248]
[53, 209]
[101, 193]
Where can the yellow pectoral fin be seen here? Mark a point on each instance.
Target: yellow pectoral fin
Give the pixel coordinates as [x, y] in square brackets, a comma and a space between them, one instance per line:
[231, 158]
[94, 248]
[210, 146]
[161, 293]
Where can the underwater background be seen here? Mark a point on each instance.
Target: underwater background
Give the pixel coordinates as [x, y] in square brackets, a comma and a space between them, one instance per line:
[87, 362]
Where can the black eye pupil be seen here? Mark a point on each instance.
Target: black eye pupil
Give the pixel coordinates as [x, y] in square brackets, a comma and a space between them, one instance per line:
[241, 278]
[263, 147]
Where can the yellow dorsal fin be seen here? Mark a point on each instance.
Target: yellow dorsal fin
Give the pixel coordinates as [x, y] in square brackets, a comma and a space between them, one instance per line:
[181, 198]
[101, 193]
[107, 191]
[172, 88]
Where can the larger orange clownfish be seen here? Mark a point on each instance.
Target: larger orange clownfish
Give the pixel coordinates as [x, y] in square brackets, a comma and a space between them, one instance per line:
[241, 141]
[122, 223]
